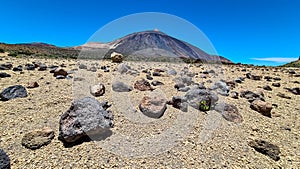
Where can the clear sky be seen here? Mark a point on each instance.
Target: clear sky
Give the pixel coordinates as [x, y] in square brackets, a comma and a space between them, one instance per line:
[247, 31]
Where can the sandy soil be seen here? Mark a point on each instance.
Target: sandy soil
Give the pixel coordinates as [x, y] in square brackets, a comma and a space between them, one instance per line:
[177, 140]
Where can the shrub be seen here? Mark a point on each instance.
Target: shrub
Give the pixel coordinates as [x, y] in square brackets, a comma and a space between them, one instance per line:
[2, 50]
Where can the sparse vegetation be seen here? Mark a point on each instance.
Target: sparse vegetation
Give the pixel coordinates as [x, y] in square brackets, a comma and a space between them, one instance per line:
[2, 50]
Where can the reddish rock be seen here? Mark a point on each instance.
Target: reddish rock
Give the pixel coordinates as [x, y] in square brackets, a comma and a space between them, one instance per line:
[262, 107]
[153, 107]
[142, 85]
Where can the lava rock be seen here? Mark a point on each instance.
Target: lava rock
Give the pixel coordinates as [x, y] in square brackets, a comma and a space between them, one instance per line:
[276, 84]
[266, 148]
[121, 87]
[156, 83]
[229, 112]
[37, 138]
[60, 71]
[92, 69]
[82, 66]
[295, 90]
[142, 85]
[179, 102]
[6, 66]
[42, 67]
[282, 95]
[153, 106]
[149, 77]
[123, 68]
[172, 72]
[97, 90]
[201, 99]
[85, 117]
[251, 96]
[18, 69]
[4, 75]
[29, 67]
[4, 160]
[117, 57]
[32, 85]
[234, 95]
[267, 87]
[12, 92]
[184, 89]
[262, 107]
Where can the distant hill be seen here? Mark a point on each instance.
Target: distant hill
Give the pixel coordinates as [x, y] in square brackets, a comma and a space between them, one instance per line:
[143, 45]
[39, 50]
[152, 44]
[293, 63]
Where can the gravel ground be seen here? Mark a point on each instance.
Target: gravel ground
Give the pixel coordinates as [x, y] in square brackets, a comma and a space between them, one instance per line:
[176, 140]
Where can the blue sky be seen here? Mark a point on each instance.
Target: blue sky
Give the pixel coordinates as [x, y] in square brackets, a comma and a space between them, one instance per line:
[247, 31]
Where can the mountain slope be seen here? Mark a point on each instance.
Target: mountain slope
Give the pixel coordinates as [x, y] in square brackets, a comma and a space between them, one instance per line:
[293, 63]
[156, 43]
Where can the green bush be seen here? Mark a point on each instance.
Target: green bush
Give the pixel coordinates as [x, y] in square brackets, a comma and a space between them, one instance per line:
[2, 50]
[13, 54]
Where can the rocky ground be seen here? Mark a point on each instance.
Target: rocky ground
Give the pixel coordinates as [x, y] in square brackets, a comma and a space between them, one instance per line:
[259, 128]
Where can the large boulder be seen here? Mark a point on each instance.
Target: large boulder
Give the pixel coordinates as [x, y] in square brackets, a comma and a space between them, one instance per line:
[262, 107]
[85, 117]
[117, 57]
[37, 138]
[229, 112]
[121, 87]
[201, 99]
[153, 106]
[142, 85]
[16, 91]
[266, 148]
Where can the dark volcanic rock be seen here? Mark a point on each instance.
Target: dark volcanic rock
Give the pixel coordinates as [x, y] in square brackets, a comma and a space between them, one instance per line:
[85, 117]
[4, 160]
[262, 107]
[179, 102]
[267, 87]
[29, 67]
[156, 83]
[153, 106]
[276, 84]
[60, 71]
[82, 66]
[201, 99]
[251, 96]
[295, 90]
[16, 91]
[234, 95]
[6, 66]
[4, 75]
[229, 112]
[121, 87]
[266, 148]
[37, 138]
[282, 95]
[18, 68]
[142, 85]
[42, 67]
[32, 85]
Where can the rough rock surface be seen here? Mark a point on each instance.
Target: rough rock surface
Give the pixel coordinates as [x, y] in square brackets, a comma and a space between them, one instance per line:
[16, 91]
[38, 138]
[32, 85]
[229, 112]
[86, 116]
[266, 148]
[60, 71]
[262, 107]
[153, 106]
[4, 160]
[97, 90]
[142, 85]
[121, 87]
[201, 99]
